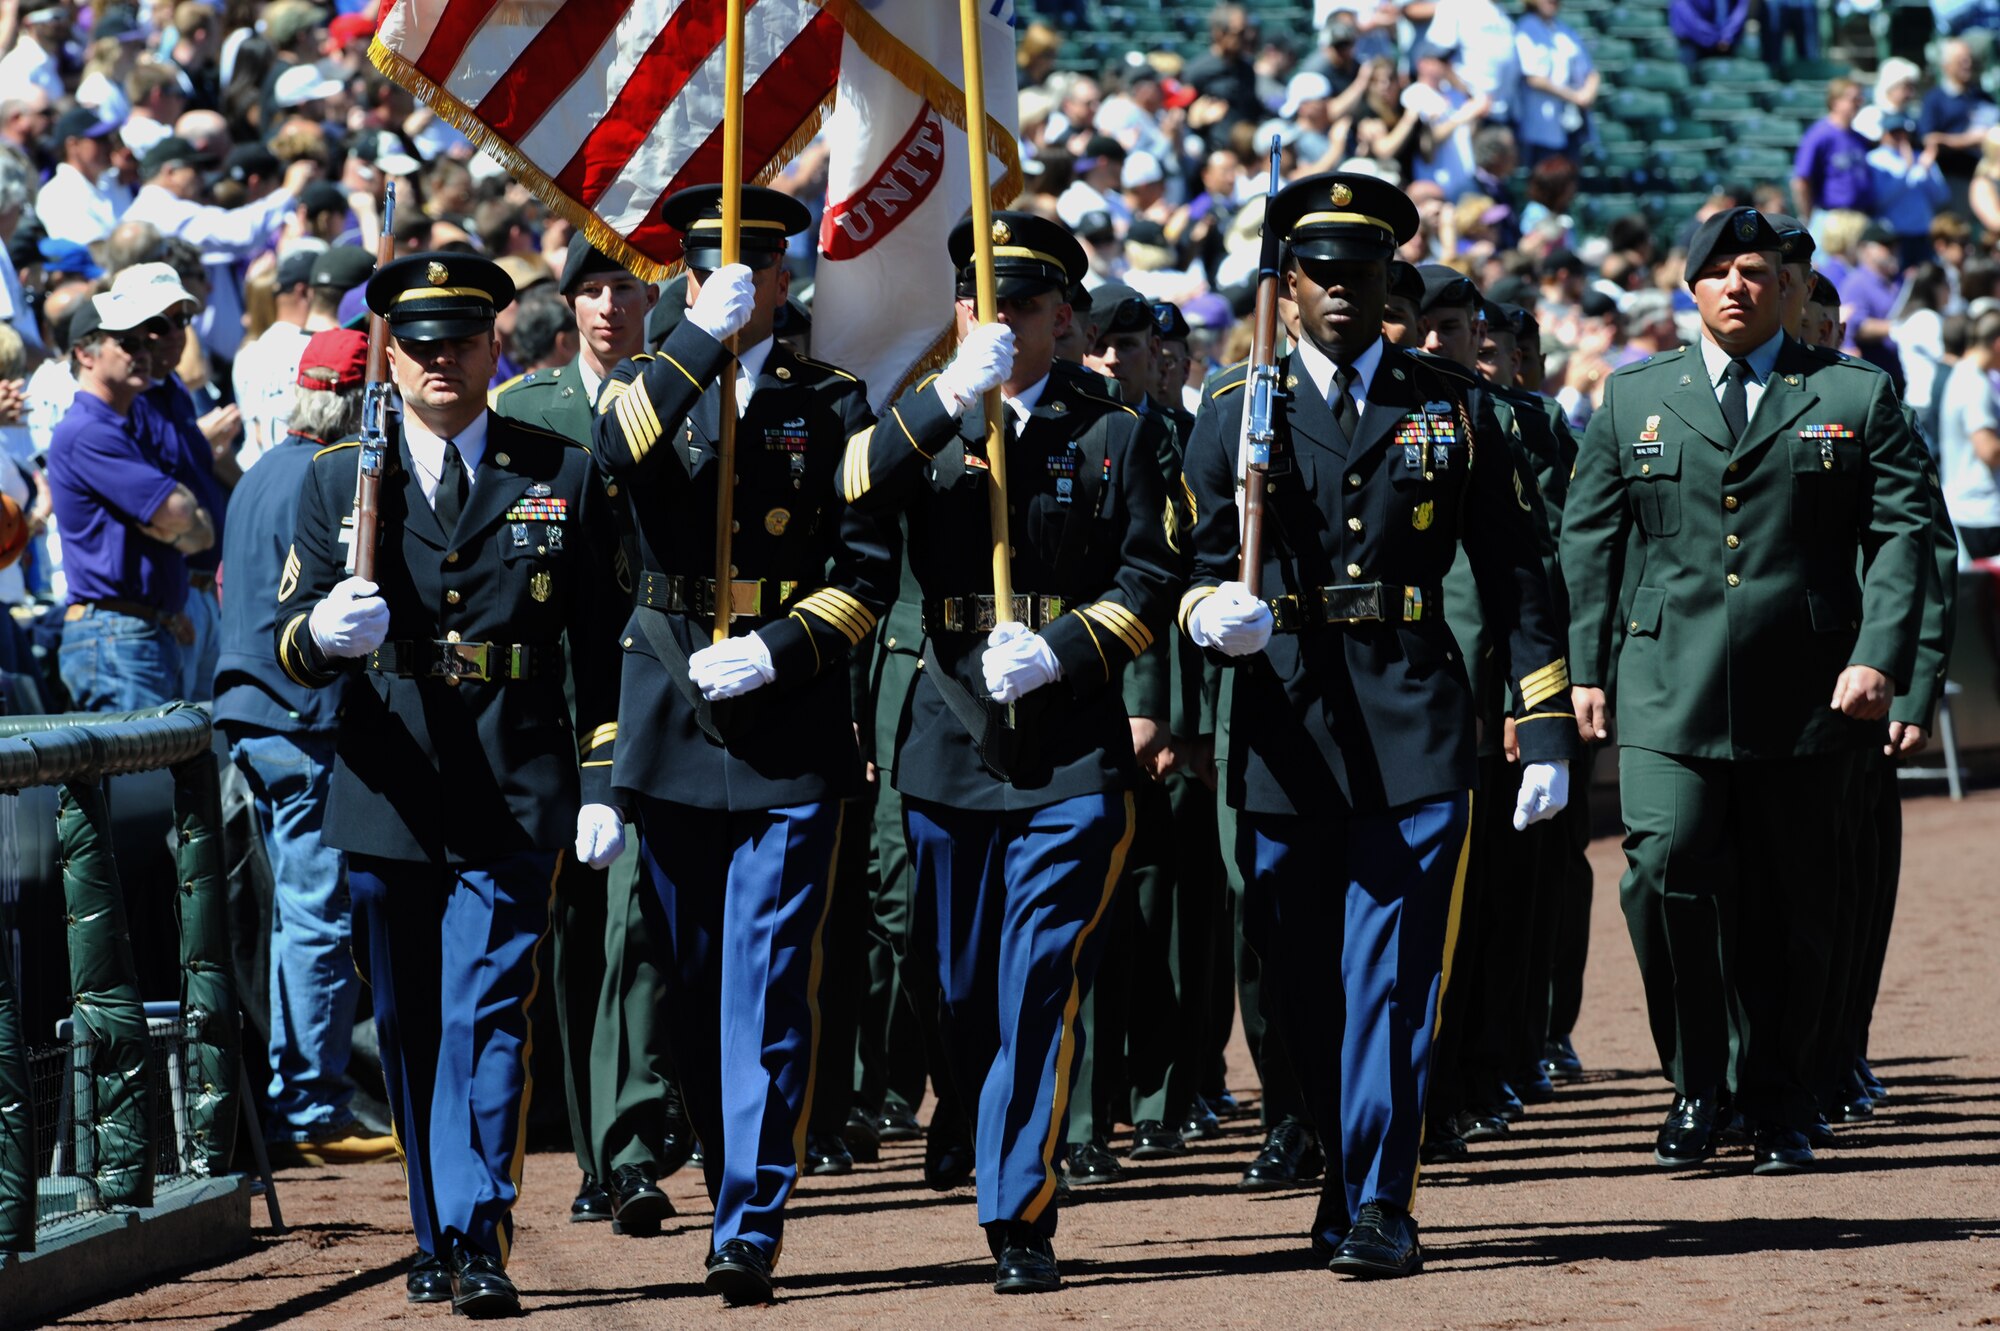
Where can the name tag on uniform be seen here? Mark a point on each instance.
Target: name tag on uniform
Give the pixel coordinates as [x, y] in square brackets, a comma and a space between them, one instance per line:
[1647, 450]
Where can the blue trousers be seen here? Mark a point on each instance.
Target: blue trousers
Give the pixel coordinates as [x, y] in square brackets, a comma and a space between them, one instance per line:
[1019, 898]
[314, 990]
[741, 900]
[450, 954]
[1379, 893]
[118, 663]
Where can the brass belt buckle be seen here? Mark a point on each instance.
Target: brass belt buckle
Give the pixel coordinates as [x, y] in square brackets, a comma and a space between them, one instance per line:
[746, 599]
[1354, 603]
[463, 660]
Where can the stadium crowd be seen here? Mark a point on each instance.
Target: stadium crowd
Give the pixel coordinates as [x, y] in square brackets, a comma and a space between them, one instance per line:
[191, 197]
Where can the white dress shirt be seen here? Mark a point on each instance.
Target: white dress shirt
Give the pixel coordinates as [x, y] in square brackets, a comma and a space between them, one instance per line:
[1321, 368]
[427, 453]
[749, 365]
[1024, 406]
[1762, 361]
[74, 208]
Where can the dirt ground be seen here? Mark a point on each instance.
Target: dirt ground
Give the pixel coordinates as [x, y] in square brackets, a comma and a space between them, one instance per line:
[1566, 1223]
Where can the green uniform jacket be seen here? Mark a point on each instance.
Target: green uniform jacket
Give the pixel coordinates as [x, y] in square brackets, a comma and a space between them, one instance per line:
[1748, 606]
[1917, 703]
[552, 399]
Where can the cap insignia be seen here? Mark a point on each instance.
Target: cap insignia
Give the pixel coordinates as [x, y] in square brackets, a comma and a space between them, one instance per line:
[1746, 227]
[1342, 196]
[436, 275]
[1002, 233]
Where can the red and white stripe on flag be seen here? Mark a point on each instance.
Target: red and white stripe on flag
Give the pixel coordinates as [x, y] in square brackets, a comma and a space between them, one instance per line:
[605, 107]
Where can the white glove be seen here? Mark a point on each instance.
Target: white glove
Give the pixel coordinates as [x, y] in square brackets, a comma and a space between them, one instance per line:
[732, 667]
[1544, 792]
[351, 621]
[1232, 621]
[1017, 662]
[600, 835]
[726, 302]
[984, 360]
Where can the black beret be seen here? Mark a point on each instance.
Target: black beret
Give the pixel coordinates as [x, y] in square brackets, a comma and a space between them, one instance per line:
[1796, 243]
[1031, 255]
[1446, 288]
[767, 219]
[1823, 291]
[584, 259]
[1520, 319]
[1343, 215]
[1117, 308]
[1495, 317]
[1171, 324]
[668, 312]
[431, 297]
[1730, 232]
[1405, 282]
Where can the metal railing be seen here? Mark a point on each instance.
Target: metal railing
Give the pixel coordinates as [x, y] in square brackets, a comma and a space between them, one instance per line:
[128, 1100]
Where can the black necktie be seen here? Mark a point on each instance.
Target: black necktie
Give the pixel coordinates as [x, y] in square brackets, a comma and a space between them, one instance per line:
[1736, 397]
[1345, 414]
[452, 486]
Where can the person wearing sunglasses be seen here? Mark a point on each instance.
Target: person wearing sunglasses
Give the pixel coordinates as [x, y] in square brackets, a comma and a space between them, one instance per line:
[128, 522]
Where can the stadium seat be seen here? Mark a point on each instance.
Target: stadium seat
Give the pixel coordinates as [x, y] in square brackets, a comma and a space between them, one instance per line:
[1725, 104]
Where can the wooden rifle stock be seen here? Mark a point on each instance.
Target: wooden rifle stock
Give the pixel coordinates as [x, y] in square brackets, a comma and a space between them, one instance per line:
[1262, 394]
[374, 417]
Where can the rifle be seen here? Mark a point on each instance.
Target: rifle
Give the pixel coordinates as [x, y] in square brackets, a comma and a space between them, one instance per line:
[374, 415]
[1253, 451]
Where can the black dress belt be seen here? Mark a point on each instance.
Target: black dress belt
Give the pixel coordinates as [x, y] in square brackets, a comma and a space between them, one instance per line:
[1356, 603]
[749, 598]
[976, 613]
[451, 660]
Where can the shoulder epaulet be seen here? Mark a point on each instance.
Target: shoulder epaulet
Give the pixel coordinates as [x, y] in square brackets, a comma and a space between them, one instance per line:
[1636, 365]
[1450, 369]
[528, 428]
[335, 448]
[505, 384]
[1227, 381]
[822, 365]
[1089, 393]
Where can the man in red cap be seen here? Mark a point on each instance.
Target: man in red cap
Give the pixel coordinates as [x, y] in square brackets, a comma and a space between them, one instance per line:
[281, 735]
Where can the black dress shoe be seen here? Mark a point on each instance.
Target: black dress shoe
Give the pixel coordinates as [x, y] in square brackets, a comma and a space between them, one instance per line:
[479, 1285]
[1819, 1133]
[827, 1153]
[1859, 1109]
[1781, 1151]
[1027, 1263]
[1507, 1104]
[428, 1280]
[947, 1163]
[1687, 1137]
[740, 1272]
[863, 1142]
[1382, 1245]
[1203, 1124]
[592, 1201]
[1154, 1140]
[679, 1145]
[1291, 1156]
[1533, 1086]
[637, 1204]
[896, 1124]
[1479, 1125]
[1870, 1082]
[1559, 1058]
[1443, 1145]
[1092, 1162]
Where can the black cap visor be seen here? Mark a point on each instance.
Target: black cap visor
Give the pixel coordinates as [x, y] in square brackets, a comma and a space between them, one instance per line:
[1344, 249]
[707, 257]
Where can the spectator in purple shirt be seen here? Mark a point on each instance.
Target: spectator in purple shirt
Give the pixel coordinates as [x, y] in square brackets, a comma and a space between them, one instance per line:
[1831, 170]
[1707, 28]
[1872, 291]
[127, 523]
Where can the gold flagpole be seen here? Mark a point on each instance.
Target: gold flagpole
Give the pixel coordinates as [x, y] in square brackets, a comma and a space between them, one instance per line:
[732, 227]
[982, 250]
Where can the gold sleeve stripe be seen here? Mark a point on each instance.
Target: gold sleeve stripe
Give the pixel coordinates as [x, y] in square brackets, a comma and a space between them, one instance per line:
[1122, 622]
[840, 610]
[682, 368]
[605, 762]
[1226, 388]
[644, 407]
[640, 436]
[811, 642]
[906, 433]
[1189, 601]
[1550, 681]
[1545, 716]
[1085, 621]
[290, 652]
[610, 393]
[1194, 509]
[854, 480]
[601, 736]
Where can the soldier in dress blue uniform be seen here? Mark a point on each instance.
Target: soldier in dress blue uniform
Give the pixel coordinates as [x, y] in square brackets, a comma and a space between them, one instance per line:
[1351, 725]
[1015, 753]
[736, 755]
[459, 780]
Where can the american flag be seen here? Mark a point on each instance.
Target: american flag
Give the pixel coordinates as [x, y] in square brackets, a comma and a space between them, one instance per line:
[604, 107]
